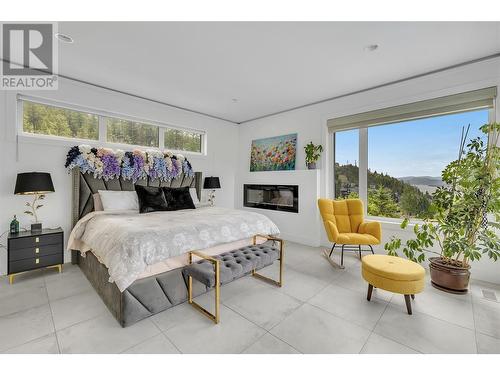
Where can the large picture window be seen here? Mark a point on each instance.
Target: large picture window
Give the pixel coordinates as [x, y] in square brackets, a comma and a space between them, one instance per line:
[405, 161]
[402, 160]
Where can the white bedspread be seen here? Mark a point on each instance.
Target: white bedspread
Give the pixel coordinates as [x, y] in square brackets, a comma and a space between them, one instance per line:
[128, 242]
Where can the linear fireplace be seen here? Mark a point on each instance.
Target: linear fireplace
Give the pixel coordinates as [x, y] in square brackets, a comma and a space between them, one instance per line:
[272, 197]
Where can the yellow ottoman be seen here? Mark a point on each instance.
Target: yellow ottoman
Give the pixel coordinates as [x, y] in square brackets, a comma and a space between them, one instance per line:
[393, 274]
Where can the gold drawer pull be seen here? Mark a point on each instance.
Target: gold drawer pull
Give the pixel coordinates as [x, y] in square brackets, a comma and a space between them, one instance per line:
[37, 239]
[37, 250]
[37, 261]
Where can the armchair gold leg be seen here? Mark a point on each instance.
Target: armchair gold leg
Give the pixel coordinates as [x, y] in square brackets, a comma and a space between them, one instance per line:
[214, 317]
[281, 260]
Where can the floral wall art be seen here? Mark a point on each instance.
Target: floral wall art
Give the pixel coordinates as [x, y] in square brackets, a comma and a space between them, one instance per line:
[130, 165]
[274, 153]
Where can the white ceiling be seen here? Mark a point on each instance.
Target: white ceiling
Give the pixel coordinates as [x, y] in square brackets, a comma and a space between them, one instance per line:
[267, 67]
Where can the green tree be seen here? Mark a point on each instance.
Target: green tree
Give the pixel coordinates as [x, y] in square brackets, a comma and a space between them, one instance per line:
[381, 203]
[414, 203]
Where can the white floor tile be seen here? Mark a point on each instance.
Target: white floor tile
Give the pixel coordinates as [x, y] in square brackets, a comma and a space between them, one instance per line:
[176, 315]
[300, 286]
[312, 330]
[264, 309]
[268, 344]
[77, 308]
[104, 335]
[425, 333]
[350, 305]
[340, 321]
[487, 317]
[487, 344]
[440, 305]
[24, 326]
[68, 283]
[377, 344]
[43, 345]
[24, 299]
[158, 344]
[200, 335]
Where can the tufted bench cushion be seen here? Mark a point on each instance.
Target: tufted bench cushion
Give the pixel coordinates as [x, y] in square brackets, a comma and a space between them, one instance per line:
[233, 264]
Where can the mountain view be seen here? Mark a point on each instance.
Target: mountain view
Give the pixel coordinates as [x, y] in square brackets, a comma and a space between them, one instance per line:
[404, 160]
[388, 196]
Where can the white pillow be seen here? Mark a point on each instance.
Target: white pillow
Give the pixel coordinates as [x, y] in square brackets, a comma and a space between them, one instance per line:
[194, 196]
[97, 202]
[119, 200]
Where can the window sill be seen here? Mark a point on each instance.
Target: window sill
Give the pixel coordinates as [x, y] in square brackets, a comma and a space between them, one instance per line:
[393, 220]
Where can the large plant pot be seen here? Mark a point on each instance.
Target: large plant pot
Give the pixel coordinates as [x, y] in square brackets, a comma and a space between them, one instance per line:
[449, 278]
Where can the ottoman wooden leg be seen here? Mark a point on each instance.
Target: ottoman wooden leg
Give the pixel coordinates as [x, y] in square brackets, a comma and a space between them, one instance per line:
[413, 296]
[408, 303]
[370, 290]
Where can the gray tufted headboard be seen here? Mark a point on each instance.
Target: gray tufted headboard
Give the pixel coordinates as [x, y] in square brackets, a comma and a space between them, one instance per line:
[85, 185]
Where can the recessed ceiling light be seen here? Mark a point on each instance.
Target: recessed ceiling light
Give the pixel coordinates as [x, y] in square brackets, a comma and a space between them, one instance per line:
[64, 38]
[371, 47]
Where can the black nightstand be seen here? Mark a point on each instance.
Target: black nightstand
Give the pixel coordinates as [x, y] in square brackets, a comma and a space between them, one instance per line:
[28, 251]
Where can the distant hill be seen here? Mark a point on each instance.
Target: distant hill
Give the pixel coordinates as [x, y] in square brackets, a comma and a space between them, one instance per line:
[422, 180]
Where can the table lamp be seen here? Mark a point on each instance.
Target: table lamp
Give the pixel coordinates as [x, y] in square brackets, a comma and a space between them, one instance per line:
[211, 183]
[36, 184]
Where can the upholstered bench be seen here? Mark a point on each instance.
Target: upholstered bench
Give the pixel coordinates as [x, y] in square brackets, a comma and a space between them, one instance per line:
[214, 271]
[393, 274]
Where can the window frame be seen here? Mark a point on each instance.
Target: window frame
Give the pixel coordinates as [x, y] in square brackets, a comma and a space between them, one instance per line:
[102, 137]
[363, 161]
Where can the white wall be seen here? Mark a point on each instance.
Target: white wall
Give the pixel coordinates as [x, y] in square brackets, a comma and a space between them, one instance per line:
[49, 156]
[310, 124]
[307, 219]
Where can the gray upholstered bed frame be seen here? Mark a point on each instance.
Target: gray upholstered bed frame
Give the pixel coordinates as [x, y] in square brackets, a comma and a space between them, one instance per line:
[145, 297]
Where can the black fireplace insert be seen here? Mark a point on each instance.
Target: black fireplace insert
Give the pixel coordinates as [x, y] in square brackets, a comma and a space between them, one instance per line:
[272, 197]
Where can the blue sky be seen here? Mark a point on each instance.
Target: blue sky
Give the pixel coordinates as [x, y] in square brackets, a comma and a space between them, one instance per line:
[411, 148]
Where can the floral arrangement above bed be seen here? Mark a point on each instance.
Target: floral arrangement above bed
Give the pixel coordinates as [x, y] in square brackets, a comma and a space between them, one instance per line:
[131, 165]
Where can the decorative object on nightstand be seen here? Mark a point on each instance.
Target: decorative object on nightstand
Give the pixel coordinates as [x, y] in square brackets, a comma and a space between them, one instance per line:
[27, 251]
[37, 184]
[14, 226]
[313, 152]
[211, 183]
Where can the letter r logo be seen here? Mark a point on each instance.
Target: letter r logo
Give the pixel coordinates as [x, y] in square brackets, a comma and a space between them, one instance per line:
[27, 49]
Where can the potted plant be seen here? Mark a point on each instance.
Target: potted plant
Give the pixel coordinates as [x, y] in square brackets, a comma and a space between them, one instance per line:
[466, 215]
[313, 152]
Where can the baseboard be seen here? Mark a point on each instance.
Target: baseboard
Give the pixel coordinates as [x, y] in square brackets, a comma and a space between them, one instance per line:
[303, 240]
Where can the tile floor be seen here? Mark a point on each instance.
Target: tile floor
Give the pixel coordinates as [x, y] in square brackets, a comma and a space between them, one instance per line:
[319, 310]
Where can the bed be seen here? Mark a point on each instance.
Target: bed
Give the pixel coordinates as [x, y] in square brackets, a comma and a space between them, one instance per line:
[140, 274]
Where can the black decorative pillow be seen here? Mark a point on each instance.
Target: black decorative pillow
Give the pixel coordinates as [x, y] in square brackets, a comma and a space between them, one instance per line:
[151, 199]
[178, 198]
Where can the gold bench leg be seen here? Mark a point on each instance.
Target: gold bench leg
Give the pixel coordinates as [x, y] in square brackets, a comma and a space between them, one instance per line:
[214, 317]
[281, 259]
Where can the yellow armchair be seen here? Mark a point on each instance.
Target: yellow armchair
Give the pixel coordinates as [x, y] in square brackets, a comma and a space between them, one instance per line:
[344, 224]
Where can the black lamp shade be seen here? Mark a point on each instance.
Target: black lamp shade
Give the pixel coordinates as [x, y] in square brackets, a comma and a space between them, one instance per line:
[33, 183]
[211, 183]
